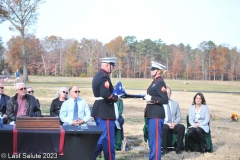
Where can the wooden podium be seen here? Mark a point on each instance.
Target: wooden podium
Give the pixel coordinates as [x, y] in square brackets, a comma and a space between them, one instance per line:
[43, 123]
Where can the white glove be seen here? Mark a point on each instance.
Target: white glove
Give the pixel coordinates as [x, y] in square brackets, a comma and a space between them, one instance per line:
[148, 97]
[119, 97]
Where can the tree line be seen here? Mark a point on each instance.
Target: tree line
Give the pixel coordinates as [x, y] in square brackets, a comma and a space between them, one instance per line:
[56, 56]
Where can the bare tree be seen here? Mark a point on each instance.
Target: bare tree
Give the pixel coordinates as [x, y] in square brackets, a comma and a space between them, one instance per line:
[3, 13]
[22, 14]
[89, 52]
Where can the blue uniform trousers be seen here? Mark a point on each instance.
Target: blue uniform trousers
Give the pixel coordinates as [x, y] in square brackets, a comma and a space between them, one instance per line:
[106, 142]
[154, 140]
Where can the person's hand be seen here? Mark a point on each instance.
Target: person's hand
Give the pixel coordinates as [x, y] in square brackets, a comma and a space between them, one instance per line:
[4, 116]
[148, 97]
[196, 125]
[173, 125]
[80, 121]
[75, 123]
[170, 125]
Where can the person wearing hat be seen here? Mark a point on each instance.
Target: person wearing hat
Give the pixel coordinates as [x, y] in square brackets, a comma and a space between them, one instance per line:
[154, 112]
[103, 108]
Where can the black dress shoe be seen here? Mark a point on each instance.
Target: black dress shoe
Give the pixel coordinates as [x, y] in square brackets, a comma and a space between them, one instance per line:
[202, 149]
[206, 147]
[164, 152]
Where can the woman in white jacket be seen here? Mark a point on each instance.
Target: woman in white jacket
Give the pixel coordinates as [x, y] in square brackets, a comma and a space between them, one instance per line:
[199, 118]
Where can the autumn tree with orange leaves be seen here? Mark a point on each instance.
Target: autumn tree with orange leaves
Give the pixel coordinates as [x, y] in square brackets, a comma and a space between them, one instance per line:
[33, 51]
[118, 47]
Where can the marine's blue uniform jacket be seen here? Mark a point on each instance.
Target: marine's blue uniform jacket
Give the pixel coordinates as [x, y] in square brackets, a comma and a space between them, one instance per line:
[102, 87]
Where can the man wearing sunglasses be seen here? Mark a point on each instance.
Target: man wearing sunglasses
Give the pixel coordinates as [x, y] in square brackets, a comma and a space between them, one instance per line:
[103, 108]
[22, 104]
[31, 91]
[74, 111]
[3, 104]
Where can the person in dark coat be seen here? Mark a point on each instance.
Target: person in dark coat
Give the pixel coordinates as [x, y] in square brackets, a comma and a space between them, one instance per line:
[103, 108]
[61, 96]
[3, 103]
[22, 104]
[154, 112]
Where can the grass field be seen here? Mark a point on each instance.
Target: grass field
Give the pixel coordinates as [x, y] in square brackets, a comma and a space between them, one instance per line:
[225, 134]
[46, 87]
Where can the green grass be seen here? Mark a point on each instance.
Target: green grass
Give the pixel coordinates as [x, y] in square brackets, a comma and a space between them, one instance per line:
[46, 87]
[134, 83]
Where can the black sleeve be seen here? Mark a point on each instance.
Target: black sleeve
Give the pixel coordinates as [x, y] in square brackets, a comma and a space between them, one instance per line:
[37, 110]
[162, 97]
[52, 113]
[10, 111]
[106, 90]
[4, 104]
[38, 102]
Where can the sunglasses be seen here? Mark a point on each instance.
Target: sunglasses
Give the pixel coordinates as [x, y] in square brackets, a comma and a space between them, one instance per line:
[22, 88]
[76, 91]
[32, 91]
[65, 92]
[2, 87]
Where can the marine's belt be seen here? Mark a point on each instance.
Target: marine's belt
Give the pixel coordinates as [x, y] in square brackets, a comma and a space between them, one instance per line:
[98, 98]
[150, 102]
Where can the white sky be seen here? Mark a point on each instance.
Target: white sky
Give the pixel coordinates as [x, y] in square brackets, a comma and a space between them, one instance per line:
[173, 21]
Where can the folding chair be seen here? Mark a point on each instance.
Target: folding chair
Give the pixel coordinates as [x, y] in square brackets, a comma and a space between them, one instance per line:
[190, 145]
[171, 141]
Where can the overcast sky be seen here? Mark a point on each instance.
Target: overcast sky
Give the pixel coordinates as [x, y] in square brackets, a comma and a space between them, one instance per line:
[173, 21]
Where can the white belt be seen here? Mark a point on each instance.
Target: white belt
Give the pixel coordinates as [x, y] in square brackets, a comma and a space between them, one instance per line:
[98, 98]
[150, 102]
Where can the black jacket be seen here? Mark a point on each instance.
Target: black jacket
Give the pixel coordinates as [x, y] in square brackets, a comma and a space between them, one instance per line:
[3, 103]
[159, 97]
[102, 87]
[32, 106]
[3, 106]
[55, 107]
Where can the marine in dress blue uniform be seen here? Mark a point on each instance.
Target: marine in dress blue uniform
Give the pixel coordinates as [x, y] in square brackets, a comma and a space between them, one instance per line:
[154, 112]
[103, 108]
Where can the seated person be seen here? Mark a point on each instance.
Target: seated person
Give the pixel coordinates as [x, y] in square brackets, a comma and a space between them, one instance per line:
[75, 110]
[31, 91]
[171, 124]
[22, 104]
[3, 104]
[199, 118]
[61, 96]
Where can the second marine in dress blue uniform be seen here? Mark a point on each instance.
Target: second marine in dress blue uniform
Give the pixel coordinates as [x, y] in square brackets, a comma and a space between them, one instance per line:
[154, 112]
[103, 109]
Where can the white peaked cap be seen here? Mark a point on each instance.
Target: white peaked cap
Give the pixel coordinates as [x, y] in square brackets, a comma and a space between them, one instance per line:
[158, 66]
[110, 60]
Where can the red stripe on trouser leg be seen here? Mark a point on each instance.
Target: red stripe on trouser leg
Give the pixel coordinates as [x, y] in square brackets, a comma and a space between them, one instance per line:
[14, 140]
[61, 143]
[157, 139]
[109, 140]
